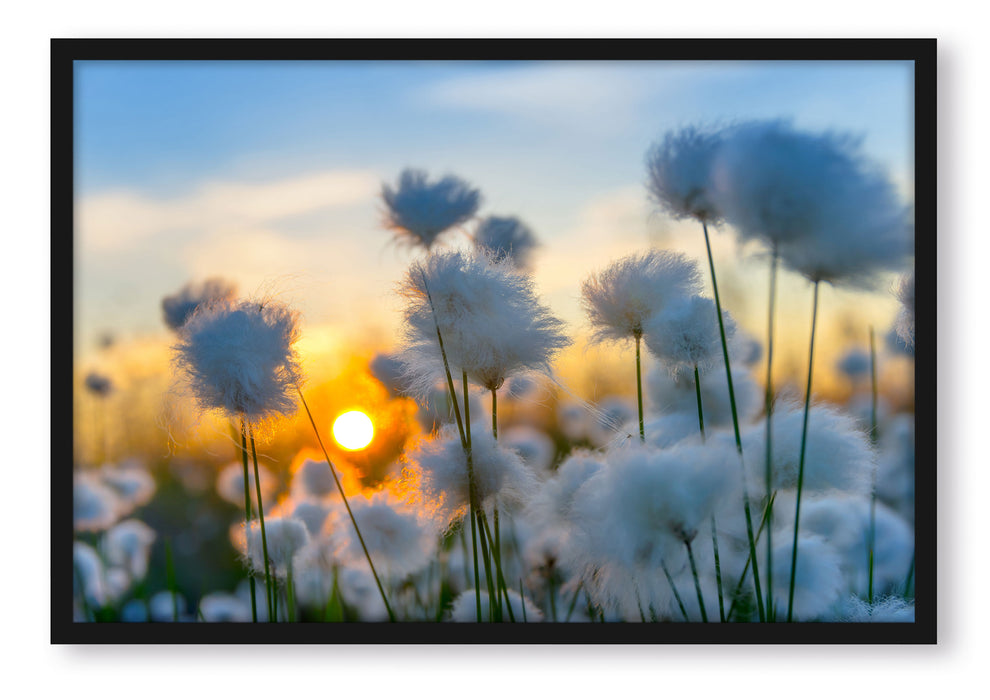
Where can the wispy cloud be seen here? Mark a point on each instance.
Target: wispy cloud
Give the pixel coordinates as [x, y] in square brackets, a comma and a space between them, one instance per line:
[125, 219]
[577, 96]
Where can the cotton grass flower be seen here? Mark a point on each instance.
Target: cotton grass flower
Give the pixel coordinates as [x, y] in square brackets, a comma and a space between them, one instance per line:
[818, 577]
[463, 609]
[621, 298]
[312, 479]
[239, 358]
[285, 536]
[389, 369]
[437, 472]
[127, 545]
[230, 484]
[680, 173]
[224, 607]
[394, 533]
[506, 238]
[491, 321]
[904, 325]
[685, 335]
[886, 609]
[534, 446]
[637, 517]
[178, 307]
[95, 506]
[418, 210]
[814, 199]
[854, 364]
[676, 395]
[837, 456]
[132, 482]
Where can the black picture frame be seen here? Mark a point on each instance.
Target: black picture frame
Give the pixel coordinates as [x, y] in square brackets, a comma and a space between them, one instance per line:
[922, 52]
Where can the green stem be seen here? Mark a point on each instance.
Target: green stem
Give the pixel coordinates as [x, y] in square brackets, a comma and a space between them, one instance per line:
[247, 515]
[910, 577]
[269, 581]
[768, 466]
[804, 444]
[574, 599]
[697, 392]
[495, 416]
[697, 582]
[499, 577]
[718, 573]
[639, 388]
[742, 578]
[343, 497]
[475, 508]
[735, 427]
[873, 441]
[718, 566]
[290, 594]
[673, 587]
[170, 578]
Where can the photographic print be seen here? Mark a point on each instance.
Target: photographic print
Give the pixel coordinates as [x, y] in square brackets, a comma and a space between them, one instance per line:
[493, 341]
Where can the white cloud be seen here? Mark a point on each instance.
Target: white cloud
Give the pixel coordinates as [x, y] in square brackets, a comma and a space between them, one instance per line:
[575, 95]
[124, 219]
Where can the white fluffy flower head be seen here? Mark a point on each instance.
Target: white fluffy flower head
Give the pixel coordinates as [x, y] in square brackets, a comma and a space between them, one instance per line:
[420, 210]
[832, 215]
[680, 173]
[492, 323]
[239, 358]
[685, 334]
[625, 295]
[438, 472]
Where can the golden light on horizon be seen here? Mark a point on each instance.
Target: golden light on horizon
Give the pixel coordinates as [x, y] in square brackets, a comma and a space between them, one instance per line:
[353, 430]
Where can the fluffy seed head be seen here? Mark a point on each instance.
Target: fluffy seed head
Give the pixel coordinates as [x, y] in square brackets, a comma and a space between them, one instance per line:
[831, 214]
[127, 545]
[680, 173]
[437, 472]
[904, 325]
[506, 237]
[418, 211]
[886, 609]
[178, 307]
[239, 358]
[465, 608]
[492, 323]
[685, 334]
[818, 580]
[95, 506]
[132, 483]
[837, 454]
[285, 537]
[230, 484]
[398, 541]
[854, 363]
[224, 607]
[625, 295]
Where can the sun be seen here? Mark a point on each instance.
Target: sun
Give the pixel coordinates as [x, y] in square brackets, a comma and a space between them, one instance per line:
[353, 430]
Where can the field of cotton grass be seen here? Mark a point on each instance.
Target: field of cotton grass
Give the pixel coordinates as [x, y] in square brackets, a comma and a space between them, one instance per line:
[704, 494]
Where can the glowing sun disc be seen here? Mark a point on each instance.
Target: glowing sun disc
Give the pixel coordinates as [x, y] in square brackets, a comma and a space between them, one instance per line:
[353, 430]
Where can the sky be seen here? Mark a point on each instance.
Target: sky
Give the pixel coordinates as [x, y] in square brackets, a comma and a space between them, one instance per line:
[269, 174]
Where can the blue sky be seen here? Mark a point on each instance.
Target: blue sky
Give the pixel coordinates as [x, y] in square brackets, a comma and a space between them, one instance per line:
[268, 173]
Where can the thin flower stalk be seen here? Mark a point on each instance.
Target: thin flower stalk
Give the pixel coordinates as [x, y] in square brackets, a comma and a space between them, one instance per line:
[639, 388]
[673, 588]
[247, 516]
[735, 426]
[771, 306]
[697, 582]
[269, 581]
[804, 441]
[718, 565]
[343, 496]
[873, 442]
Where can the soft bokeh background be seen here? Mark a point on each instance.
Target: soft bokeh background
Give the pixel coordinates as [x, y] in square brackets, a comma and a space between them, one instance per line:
[269, 174]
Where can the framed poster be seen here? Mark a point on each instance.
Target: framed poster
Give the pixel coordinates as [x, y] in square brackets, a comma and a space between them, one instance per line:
[494, 341]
